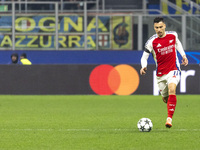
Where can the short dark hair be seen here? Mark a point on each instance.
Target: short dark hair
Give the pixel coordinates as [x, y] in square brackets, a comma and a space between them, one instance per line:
[24, 55]
[158, 19]
[14, 54]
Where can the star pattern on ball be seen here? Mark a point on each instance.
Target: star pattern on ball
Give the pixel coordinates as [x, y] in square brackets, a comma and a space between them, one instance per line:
[142, 128]
[147, 121]
[145, 125]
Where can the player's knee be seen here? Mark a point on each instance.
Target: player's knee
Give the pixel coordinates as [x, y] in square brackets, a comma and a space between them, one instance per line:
[172, 91]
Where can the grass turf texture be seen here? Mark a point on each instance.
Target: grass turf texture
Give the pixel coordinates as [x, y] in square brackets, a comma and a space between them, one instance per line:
[96, 123]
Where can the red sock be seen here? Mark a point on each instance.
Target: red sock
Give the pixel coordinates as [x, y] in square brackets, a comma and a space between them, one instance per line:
[171, 105]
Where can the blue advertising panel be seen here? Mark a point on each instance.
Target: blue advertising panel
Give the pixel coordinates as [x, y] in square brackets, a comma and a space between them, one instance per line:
[89, 57]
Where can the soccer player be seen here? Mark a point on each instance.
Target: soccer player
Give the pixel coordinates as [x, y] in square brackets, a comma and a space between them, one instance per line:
[163, 46]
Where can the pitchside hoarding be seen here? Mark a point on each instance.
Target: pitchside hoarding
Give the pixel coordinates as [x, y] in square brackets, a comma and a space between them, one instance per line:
[119, 79]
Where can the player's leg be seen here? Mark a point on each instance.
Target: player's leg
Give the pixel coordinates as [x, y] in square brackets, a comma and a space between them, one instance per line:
[163, 87]
[173, 80]
[165, 99]
[171, 104]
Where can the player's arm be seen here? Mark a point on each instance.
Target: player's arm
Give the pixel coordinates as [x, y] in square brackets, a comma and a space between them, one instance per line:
[144, 59]
[179, 47]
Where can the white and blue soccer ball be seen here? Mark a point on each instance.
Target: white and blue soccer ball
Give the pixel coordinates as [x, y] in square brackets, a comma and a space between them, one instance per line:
[145, 125]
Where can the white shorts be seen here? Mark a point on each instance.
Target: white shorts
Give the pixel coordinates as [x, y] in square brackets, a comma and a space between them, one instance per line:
[163, 81]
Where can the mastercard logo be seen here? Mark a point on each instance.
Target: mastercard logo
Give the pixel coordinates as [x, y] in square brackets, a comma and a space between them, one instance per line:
[120, 80]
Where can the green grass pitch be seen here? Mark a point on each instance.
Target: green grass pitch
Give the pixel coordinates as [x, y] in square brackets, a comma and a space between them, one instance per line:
[93, 122]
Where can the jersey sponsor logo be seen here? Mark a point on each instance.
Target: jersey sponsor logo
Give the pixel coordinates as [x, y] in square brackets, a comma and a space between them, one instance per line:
[166, 50]
[159, 45]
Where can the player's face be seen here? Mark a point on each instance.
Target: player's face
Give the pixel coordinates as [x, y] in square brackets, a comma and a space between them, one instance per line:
[160, 28]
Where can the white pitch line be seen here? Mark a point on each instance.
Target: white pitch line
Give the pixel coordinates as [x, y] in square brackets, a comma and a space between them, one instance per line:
[97, 130]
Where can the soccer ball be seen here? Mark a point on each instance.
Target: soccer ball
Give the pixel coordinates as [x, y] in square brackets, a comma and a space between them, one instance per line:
[145, 125]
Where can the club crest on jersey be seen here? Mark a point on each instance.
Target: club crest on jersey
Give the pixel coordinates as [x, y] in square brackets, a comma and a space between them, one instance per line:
[170, 41]
[159, 45]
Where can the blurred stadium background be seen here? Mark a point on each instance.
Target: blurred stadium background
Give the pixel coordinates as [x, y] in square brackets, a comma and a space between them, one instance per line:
[53, 35]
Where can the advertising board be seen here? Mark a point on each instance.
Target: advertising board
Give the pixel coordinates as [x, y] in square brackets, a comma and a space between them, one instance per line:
[119, 79]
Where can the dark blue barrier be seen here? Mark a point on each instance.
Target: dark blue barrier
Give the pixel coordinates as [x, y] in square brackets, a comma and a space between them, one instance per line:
[88, 57]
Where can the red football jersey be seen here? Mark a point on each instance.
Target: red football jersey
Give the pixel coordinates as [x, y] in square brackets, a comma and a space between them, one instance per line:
[164, 52]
